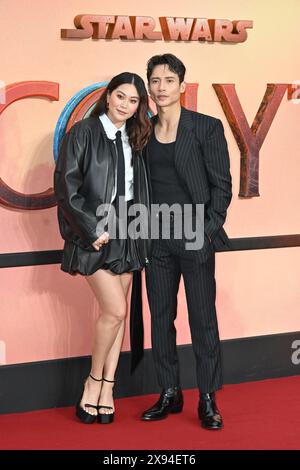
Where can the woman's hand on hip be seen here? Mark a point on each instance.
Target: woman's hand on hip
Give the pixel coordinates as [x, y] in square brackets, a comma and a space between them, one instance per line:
[102, 240]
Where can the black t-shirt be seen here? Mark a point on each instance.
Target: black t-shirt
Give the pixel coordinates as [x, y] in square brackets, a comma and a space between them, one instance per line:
[166, 184]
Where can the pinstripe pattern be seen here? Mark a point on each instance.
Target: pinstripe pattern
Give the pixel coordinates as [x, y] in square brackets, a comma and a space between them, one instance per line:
[168, 263]
[202, 162]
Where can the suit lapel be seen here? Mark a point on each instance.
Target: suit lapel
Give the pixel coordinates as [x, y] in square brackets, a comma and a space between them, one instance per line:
[184, 139]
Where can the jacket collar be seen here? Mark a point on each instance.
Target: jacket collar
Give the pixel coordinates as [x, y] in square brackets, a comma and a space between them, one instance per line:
[185, 119]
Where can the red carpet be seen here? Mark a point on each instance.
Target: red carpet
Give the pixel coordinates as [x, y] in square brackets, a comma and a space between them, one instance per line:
[257, 415]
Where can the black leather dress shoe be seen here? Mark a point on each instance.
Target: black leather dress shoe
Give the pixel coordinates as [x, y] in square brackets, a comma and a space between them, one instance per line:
[170, 401]
[208, 412]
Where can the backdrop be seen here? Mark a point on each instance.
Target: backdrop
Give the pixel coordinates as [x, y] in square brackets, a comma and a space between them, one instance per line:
[47, 314]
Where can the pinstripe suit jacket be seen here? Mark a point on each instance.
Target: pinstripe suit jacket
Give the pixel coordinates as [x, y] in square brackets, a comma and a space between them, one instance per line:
[202, 163]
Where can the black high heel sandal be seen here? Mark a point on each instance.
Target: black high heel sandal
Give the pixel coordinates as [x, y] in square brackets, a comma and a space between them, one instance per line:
[106, 418]
[83, 415]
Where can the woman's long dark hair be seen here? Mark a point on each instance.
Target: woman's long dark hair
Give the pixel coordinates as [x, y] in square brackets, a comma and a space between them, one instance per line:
[138, 128]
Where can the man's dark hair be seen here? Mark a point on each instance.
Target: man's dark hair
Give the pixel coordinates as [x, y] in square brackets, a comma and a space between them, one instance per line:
[175, 65]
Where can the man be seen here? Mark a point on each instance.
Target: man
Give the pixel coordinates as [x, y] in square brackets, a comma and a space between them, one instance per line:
[188, 165]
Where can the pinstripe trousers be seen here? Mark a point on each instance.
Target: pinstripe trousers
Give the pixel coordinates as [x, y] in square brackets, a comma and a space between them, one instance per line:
[169, 261]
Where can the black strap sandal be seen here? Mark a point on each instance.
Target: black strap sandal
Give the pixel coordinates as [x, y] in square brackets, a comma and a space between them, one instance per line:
[83, 415]
[106, 418]
[96, 380]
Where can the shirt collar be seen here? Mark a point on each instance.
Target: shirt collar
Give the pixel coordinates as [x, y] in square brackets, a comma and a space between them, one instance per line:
[110, 128]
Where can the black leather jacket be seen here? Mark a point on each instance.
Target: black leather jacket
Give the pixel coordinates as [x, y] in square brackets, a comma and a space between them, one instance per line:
[84, 178]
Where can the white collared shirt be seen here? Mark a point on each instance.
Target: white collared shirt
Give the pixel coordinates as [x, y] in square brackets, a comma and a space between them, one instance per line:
[111, 130]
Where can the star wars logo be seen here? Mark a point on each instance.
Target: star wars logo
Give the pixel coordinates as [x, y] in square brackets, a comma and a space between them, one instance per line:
[143, 28]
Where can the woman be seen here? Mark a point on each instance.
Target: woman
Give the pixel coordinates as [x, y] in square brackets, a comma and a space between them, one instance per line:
[95, 167]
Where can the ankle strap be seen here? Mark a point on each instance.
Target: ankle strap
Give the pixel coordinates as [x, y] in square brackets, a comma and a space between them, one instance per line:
[96, 380]
[110, 381]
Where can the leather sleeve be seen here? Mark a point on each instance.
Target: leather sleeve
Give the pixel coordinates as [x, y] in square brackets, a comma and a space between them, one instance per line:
[68, 180]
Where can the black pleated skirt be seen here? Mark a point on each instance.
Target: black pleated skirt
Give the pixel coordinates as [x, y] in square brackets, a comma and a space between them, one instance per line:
[118, 255]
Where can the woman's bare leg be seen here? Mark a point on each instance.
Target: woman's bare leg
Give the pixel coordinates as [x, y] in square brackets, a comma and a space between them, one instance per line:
[106, 397]
[109, 293]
